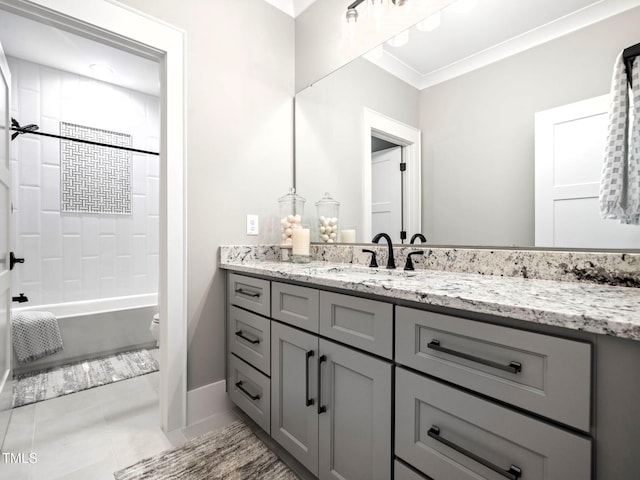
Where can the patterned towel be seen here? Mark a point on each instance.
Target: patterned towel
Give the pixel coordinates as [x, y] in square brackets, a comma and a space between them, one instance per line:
[620, 183]
[35, 335]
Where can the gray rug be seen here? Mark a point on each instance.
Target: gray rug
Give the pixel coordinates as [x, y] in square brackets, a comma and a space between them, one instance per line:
[232, 453]
[45, 384]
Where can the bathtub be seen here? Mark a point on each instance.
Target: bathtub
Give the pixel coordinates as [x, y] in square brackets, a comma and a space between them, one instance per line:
[93, 329]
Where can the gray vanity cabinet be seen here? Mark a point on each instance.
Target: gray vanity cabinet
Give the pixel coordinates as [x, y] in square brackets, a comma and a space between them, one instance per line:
[331, 406]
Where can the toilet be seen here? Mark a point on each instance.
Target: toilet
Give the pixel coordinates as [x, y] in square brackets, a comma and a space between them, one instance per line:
[155, 328]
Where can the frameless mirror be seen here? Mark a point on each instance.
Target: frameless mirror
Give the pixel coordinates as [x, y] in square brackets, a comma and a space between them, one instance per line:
[461, 100]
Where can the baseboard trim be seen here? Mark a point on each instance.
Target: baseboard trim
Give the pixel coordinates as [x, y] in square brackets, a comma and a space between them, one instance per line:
[207, 400]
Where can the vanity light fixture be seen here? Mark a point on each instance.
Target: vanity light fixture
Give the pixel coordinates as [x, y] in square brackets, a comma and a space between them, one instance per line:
[378, 5]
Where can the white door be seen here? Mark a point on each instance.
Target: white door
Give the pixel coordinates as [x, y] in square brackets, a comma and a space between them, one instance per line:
[386, 192]
[6, 385]
[570, 143]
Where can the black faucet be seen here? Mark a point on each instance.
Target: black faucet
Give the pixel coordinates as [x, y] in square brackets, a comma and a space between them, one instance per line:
[390, 261]
[418, 236]
[409, 264]
[373, 263]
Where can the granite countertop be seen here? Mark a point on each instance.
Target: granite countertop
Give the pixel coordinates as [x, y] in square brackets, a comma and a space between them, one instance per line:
[592, 308]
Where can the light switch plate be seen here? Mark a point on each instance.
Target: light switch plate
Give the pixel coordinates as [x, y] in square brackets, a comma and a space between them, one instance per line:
[252, 225]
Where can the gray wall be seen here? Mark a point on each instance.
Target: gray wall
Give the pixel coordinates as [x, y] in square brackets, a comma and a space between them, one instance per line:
[329, 129]
[478, 132]
[240, 86]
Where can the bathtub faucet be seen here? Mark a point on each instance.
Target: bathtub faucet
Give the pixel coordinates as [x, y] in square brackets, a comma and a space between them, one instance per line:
[20, 298]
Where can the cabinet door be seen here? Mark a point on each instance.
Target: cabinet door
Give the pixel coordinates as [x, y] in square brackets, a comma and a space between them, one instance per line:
[355, 428]
[294, 361]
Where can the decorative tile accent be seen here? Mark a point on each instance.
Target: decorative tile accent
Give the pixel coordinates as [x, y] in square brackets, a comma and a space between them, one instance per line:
[94, 179]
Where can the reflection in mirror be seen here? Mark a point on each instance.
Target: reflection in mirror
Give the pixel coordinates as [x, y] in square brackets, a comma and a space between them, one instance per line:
[471, 89]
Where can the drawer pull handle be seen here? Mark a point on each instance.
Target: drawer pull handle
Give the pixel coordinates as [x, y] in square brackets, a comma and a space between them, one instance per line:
[252, 397]
[513, 367]
[513, 473]
[248, 294]
[241, 335]
[309, 401]
[321, 408]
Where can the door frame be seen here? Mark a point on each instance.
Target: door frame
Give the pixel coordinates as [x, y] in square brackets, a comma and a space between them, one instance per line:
[6, 375]
[386, 128]
[122, 27]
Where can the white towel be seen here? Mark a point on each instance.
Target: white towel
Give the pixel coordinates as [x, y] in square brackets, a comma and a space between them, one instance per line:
[620, 182]
[35, 335]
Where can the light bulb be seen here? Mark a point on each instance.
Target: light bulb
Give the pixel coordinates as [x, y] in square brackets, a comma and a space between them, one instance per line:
[352, 16]
[429, 24]
[378, 10]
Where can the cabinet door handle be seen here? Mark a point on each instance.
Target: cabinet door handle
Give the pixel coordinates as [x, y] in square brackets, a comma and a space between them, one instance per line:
[321, 408]
[241, 388]
[247, 294]
[241, 335]
[309, 401]
[512, 367]
[513, 473]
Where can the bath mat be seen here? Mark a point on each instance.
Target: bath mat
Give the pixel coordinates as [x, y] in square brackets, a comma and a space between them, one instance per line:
[35, 387]
[232, 453]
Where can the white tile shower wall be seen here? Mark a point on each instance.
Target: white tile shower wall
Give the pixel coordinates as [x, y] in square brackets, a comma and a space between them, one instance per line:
[73, 257]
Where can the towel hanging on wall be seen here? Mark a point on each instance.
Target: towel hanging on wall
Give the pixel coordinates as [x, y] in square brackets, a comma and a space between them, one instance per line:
[620, 181]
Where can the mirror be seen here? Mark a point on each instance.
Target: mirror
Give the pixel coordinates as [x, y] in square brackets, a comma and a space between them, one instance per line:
[471, 90]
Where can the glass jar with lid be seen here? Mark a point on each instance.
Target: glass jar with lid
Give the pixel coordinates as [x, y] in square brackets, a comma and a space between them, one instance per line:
[328, 214]
[291, 213]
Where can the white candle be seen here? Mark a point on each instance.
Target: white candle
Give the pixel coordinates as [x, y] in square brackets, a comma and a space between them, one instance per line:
[348, 235]
[300, 237]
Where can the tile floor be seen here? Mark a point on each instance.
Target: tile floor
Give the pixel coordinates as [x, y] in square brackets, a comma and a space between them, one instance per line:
[91, 434]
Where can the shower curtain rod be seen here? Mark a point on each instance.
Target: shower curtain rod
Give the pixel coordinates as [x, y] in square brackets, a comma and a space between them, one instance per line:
[32, 128]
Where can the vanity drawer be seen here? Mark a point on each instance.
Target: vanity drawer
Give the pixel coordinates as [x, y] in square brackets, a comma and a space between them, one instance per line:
[251, 391]
[295, 305]
[250, 338]
[250, 293]
[359, 322]
[547, 375]
[440, 429]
